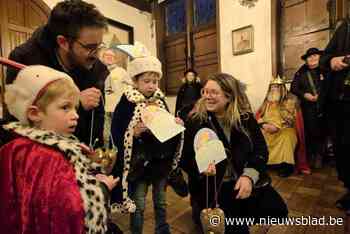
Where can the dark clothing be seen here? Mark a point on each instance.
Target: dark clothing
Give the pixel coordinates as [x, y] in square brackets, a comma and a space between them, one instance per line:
[242, 152]
[151, 159]
[342, 142]
[263, 203]
[188, 94]
[313, 120]
[40, 49]
[337, 99]
[339, 45]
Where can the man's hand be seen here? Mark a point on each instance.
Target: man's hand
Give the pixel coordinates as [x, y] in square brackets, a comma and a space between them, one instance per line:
[337, 63]
[90, 98]
[139, 128]
[244, 186]
[109, 181]
[310, 97]
[270, 128]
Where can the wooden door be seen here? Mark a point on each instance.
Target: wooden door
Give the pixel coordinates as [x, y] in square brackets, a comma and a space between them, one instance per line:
[18, 19]
[175, 62]
[305, 24]
[205, 51]
[192, 46]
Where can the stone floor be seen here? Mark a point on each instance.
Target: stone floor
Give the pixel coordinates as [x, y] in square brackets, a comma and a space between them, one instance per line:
[312, 195]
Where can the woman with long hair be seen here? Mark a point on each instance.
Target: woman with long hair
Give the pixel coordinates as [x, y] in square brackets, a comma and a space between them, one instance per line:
[225, 109]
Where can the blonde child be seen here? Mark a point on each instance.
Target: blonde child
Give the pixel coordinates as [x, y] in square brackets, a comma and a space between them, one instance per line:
[45, 180]
[143, 160]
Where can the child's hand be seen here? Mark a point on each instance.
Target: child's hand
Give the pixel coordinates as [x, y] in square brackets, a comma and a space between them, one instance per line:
[109, 181]
[139, 128]
[179, 121]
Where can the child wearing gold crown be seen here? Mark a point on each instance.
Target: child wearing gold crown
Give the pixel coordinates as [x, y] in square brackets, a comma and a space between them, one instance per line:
[142, 159]
[45, 177]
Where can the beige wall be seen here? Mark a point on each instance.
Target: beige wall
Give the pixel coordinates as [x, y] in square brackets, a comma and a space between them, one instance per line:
[253, 68]
[140, 21]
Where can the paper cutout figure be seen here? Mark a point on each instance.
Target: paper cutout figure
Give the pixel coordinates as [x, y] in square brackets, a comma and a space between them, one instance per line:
[134, 51]
[161, 123]
[115, 85]
[203, 136]
[208, 148]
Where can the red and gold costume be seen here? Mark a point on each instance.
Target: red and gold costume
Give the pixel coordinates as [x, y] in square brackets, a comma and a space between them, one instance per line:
[287, 145]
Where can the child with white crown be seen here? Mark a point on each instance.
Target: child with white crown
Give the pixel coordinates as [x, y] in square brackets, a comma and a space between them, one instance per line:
[142, 159]
[46, 182]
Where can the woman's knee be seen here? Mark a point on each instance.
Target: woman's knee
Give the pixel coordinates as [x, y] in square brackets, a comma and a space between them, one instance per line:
[271, 204]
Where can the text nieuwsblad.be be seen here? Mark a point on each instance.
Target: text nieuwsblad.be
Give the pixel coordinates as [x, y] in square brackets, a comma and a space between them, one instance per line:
[297, 221]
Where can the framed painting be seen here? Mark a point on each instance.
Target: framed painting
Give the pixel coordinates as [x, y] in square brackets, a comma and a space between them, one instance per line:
[118, 33]
[116, 62]
[243, 40]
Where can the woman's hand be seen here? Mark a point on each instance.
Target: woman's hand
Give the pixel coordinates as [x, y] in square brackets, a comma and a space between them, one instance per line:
[211, 170]
[179, 121]
[139, 128]
[109, 181]
[244, 185]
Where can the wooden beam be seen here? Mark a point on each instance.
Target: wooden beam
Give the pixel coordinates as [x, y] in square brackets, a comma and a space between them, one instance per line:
[141, 5]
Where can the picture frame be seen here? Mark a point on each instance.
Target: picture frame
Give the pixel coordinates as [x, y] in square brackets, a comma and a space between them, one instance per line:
[243, 40]
[116, 62]
[118, 33]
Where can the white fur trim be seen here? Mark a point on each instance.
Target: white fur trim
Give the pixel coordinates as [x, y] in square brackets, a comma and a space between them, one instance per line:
[90, 190]
[134, 96]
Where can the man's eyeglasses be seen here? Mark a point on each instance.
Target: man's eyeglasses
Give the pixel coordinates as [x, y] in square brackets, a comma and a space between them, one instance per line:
[92, 48]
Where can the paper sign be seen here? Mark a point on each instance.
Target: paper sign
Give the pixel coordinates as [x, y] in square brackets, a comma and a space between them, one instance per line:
[161, 123]
[208, 149]
[203, 136]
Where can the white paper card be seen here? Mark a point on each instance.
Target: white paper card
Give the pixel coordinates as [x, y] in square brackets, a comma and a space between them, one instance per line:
[212, 151]
[161, 123]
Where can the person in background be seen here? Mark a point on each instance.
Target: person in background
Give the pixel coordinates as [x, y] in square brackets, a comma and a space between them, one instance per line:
[335, 65]
[142, 159]
[281, 123]
[306, 85]
[225, 109]
[70, 42]
[188, 93]
[46, 179]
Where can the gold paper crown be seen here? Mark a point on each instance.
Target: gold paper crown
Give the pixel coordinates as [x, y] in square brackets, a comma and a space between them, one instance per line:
[276, 80]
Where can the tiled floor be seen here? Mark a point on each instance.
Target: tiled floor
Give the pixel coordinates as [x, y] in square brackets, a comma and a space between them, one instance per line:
[312, 195]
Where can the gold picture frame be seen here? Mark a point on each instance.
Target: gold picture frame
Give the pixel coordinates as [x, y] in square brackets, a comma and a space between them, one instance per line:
[243, 40]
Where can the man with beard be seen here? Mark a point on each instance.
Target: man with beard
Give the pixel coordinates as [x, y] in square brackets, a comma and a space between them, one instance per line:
[282, 127]
[69, 42]
[306, 86]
